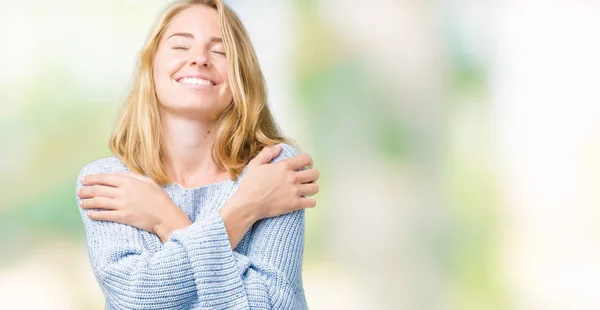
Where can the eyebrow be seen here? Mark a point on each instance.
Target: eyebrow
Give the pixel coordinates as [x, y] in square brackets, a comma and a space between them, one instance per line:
[191, 36]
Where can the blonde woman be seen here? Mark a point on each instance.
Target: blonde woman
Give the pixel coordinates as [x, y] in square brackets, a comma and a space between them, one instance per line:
[203, 205]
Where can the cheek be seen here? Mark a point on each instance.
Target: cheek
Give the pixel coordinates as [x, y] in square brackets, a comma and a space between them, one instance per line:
[160, 84]
[166, 64]
[226, 89]
[162, 79]
[226, 95]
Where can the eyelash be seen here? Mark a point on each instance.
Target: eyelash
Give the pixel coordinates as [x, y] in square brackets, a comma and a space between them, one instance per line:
[185, 48]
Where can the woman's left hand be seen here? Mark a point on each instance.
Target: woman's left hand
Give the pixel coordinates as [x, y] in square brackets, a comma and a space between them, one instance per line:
[131, 199]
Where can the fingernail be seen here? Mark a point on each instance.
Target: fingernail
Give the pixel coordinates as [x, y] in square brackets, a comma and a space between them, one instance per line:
[82, 179]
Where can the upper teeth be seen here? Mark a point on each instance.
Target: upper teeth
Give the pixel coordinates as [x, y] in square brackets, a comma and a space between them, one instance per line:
[189, 80]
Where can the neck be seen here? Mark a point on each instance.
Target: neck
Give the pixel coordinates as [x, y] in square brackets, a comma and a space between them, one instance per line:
[187, 152]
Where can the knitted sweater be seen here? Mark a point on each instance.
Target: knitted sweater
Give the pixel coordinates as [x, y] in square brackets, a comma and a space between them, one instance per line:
[196, 268]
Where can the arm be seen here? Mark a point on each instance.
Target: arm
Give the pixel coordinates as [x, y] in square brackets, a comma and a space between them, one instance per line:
[268, 190]
[267, 277]
[132, 277]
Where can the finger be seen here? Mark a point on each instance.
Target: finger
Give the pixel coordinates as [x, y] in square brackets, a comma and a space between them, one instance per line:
[103, 215]
[298, 162]
[97, 191]
[99, 203]
[307, 203]
[309, 166]
[136, 176]
[307, 176]
[309, 189]
[266, 155]
[113, 180]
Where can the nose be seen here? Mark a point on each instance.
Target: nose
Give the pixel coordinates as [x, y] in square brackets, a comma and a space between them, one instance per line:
[200, 59]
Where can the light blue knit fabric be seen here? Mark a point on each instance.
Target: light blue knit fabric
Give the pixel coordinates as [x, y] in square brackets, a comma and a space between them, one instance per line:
[196, 268]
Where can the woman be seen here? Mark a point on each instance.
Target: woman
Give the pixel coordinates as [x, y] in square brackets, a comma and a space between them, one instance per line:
[203, 205]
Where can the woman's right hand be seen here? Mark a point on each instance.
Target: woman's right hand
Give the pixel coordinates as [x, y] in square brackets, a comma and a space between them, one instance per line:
[269, 190]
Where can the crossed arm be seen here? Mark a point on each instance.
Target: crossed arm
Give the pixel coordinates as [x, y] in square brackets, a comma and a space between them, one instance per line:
[197, 263]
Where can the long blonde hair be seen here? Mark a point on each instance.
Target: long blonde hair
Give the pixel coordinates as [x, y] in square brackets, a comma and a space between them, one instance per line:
[244, 128]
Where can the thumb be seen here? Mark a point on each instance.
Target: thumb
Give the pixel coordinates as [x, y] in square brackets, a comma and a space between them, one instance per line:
[266, 155]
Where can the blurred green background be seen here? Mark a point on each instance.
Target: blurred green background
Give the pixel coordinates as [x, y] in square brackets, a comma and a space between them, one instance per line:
[458, 144]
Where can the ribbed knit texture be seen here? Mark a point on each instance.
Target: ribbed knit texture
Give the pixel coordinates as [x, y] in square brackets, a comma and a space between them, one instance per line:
[196, 268]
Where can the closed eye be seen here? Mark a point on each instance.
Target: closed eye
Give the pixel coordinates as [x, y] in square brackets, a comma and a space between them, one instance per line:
[185, 48]
[220, 53]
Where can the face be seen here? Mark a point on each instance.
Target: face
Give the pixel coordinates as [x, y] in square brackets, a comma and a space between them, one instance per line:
[190, 67]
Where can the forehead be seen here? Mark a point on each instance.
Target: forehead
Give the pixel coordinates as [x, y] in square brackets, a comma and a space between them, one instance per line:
[199, 20]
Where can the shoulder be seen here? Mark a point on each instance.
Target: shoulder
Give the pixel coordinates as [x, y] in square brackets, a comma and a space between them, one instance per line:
[287, 151]
[110, 164]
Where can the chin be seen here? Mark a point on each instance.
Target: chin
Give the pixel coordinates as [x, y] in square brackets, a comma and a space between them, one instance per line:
[196, 110]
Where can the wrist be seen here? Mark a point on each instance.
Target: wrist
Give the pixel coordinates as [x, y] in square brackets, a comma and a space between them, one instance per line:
[239, 212]
[169, 224]
[243, 210]
[238, 217]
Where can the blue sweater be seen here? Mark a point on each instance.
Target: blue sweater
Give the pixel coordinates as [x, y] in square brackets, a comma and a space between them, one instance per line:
[196, 268]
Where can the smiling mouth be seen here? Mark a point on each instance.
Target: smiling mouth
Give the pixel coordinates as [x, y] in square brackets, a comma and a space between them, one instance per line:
[190, 81]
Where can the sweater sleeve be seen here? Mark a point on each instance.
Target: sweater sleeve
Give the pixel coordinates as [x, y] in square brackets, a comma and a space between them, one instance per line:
[267, 277]
[131, 276]
[197, 266]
